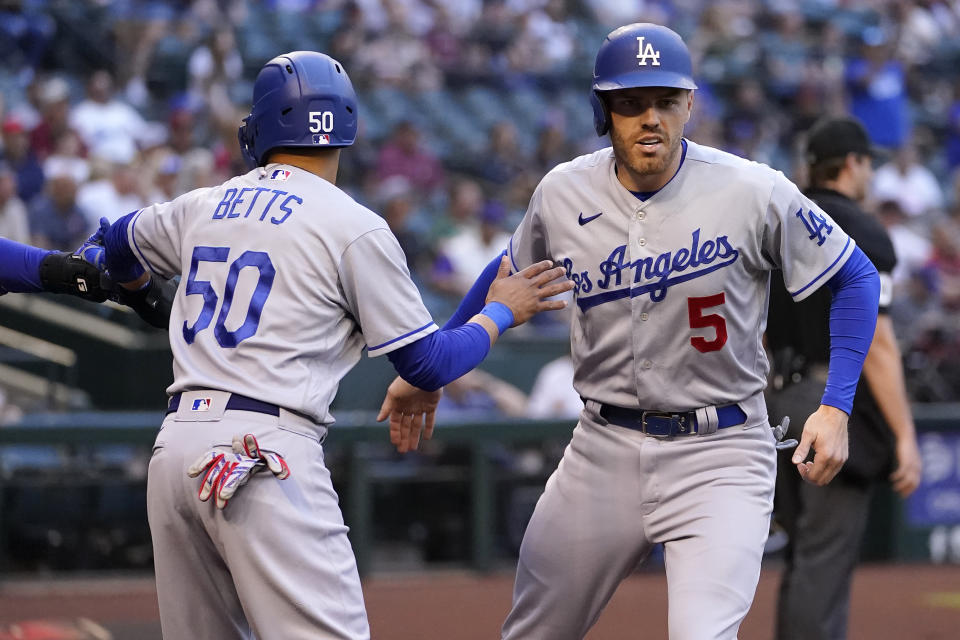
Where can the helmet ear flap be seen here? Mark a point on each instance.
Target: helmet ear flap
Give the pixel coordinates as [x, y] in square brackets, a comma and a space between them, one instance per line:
[601, 115]
[246, 144]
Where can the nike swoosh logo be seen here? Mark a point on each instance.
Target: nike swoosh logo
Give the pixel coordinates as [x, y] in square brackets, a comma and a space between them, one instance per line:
[584, 221]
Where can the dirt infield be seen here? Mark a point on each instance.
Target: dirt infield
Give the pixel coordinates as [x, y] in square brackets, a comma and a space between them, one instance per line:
[908, 602]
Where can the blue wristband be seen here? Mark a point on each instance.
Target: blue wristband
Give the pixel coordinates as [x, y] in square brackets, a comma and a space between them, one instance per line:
[500, 314]
[122, 265]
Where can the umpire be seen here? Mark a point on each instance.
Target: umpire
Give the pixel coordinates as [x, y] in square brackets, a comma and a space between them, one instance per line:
[825, 524]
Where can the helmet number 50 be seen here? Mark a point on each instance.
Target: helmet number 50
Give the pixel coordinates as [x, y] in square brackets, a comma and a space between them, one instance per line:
[321, 121]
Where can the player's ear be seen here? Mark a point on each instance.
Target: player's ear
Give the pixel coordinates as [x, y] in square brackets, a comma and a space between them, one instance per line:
[689, 104]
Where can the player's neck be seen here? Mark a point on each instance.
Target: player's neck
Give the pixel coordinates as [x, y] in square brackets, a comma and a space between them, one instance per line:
[648, 182]
[324, 165]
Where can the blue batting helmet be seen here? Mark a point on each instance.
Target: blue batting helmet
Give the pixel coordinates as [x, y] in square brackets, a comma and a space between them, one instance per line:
[638, 55]
[300, 99]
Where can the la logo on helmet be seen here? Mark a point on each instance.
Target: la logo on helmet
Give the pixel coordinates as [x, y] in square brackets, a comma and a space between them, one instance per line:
[647, 52]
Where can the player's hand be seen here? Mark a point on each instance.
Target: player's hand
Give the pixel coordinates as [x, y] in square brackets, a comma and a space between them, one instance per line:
[227, 471]
[906, 478]
[92, 250]
[411, 410]
[825, 431]
[131, 277]
[526, 292]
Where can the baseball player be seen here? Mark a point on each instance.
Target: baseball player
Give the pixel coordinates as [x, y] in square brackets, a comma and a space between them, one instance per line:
[28, 269]
[670, 245]
[285, 279]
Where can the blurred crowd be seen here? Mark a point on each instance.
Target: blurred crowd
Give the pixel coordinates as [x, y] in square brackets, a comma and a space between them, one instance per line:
[109, 105]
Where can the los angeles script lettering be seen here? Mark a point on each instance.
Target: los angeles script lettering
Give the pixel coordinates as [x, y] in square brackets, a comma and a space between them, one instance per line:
[653, 274]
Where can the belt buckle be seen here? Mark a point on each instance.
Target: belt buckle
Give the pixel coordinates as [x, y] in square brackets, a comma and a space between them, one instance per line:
[678, 423]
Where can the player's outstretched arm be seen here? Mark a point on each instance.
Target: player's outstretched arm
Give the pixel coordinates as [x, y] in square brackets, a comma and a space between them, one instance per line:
[853, 318]
[433, 361]
[28, 269]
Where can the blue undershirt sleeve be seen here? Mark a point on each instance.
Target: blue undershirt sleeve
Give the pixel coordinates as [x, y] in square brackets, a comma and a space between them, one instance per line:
[853, 321]
[473, 302]
[121, 264]
[20, 267]
[441, 357]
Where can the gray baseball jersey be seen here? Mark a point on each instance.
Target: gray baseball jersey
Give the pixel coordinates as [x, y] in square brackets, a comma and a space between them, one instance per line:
[285, 280]
[671, 292]
[671, 302]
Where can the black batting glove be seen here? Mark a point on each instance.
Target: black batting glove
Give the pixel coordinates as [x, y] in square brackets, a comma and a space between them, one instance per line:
[152, 303]
[62, 272]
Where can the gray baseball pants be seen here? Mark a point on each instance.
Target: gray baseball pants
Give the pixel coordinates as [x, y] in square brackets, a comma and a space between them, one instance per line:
[616, 493]
[276, 563]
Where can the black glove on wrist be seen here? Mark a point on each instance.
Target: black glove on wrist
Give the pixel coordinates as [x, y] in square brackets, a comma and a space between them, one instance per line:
[152, 303]
[62, 272]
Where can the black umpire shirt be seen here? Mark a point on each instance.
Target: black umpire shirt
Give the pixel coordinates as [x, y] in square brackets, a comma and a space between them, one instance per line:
[803, 329]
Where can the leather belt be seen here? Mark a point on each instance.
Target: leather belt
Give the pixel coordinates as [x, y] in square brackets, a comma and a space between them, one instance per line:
[236, 402]
[668, 423]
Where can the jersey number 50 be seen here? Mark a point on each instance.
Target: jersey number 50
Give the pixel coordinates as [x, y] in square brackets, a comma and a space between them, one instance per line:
[695, 307]
[254, 259]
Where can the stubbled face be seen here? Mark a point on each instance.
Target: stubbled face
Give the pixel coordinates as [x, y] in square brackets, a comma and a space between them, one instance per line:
[646, 129]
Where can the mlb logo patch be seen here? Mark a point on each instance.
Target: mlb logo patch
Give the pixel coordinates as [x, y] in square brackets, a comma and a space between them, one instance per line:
[280, 174]
[321, 138]
[202, 404]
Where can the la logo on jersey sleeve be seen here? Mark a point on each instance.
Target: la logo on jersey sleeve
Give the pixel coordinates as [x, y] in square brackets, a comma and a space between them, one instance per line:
[818, 226]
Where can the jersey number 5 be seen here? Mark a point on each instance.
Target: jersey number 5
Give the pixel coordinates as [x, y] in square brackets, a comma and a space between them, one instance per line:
[695, 307]
[255, 259]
